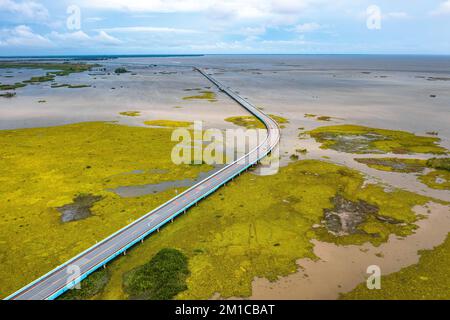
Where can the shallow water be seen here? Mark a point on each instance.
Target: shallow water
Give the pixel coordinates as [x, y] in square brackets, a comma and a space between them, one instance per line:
[146, 189]
[341, 268]
[393, 92]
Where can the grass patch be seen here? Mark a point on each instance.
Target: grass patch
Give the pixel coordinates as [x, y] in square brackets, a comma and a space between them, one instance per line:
[359, 139]
[428, 279]
[12, 86]
[439, 163]
[46, 78]
[251, 122]
[203, 95]
[70, 86]
[130, 113]
[43, 169]
[168, 123]
[90, 287]
[57, 69]
[121, 70]
[230, 239]
[437, 179]
[162, 278]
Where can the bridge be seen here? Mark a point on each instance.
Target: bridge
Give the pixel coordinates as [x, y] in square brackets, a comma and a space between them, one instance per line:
[55, 282]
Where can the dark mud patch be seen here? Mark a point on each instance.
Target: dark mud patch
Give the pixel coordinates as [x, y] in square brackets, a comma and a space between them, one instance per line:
[346, 216]
[353, 143]
[395, 165]
[79, 209]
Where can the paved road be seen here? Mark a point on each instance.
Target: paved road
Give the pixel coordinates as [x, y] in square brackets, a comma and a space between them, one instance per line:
[62, 278]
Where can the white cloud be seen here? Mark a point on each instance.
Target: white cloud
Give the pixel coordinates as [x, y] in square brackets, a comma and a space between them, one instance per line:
[252, 31]
[396, 15]
[23, 36]
[275, 11]
[105, 38]
[143, 29]
[74, 39]
[443, 9]
[26, 9]
[307, 27]
[93, 19]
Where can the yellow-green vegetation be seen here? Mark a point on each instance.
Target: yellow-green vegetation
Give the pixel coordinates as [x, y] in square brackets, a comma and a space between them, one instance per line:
[70, 86]
[43, 169]
[121, 70]
[428, 279]
[438, 179]
[359, 139]
[251, 122]
[46, 78]
[394, 164]
[168, 123]
[439, 163]
[203, 95]
[324, 118]
[130, 113]
[229, 238]
[56, 69]
[310, 115]
[91, 286]
[59, 69]
[162, 278]
[12, 86]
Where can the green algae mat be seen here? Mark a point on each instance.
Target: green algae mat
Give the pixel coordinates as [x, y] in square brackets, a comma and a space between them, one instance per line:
[359, 139]
[230, 239]
[225, 242]
[44, 170]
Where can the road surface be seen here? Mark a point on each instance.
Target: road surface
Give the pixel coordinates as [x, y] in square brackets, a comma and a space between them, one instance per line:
[64, 277]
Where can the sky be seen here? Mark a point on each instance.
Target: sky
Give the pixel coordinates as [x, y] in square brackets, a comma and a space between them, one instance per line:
[78, 27]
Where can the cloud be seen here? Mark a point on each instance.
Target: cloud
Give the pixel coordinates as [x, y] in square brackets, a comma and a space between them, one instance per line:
[143, 29]
[93, 19]
[443, 9]
[25, 9]
[275, 11]
[253, 31]
[396, 15]
[23, 36]
[307, 27]
[74, 39]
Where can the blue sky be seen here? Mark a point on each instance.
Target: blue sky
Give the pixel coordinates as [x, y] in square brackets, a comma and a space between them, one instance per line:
[224, 26]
